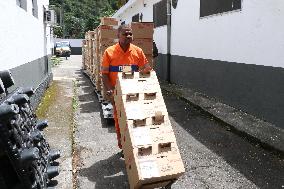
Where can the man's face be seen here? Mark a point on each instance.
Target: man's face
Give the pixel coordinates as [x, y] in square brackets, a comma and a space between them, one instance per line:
[125, 36]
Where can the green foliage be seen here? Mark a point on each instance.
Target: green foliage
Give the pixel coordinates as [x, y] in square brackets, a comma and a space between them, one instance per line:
[55, 61]
[58, 32]
[75, 103]
[81, 16]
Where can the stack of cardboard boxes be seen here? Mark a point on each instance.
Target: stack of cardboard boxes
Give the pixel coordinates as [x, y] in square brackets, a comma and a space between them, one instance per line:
[86, 52]
[84, 48]
[106, 36]
[90, 35]
[143, 38]
[96, 67]
[151, 153]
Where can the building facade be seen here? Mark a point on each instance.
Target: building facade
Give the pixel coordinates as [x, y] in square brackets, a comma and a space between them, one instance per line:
[232, 51]
[25, 47]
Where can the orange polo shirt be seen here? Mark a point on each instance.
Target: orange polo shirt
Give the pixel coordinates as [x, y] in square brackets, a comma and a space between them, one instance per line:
[114, 58]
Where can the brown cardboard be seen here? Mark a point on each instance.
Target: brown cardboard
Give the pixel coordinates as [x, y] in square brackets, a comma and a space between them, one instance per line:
[145, 44]
[142, 85]
[149, 170]
[149, 57]
[105, 31]
[142, 29]
[151, 153]
[109, 21]
[105, 43]
[91, 34]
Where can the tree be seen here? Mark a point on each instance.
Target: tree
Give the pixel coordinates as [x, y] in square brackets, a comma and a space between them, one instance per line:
[58, 32]
[81, 16]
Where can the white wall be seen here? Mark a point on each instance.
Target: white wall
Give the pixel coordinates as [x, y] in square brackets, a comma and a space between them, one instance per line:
[254, 35]
[132, 8]
[22, 35]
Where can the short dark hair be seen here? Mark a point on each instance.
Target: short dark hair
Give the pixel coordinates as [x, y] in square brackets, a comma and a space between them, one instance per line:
[122, 27]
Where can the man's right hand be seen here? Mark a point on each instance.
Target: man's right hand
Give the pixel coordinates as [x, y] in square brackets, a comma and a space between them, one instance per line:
[110, 95]
[107, 87]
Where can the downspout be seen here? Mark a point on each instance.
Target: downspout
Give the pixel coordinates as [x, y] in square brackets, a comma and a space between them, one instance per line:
[169, 28]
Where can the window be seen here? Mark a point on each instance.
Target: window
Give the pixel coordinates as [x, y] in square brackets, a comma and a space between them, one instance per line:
[160, 13]
[209, 7]
[35, 9]
[22, 4]
[135, 18]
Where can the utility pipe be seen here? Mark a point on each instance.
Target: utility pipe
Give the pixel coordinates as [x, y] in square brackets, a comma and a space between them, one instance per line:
[169, 28]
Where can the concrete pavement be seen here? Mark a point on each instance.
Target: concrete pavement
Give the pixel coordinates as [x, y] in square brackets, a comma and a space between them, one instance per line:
[267, 134]
[214, 156]
[57, 107]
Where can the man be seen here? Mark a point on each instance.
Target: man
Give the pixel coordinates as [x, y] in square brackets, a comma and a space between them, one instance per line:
[121, 54]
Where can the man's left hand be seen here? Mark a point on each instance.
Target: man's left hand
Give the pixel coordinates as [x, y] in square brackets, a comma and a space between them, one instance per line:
[146, 69]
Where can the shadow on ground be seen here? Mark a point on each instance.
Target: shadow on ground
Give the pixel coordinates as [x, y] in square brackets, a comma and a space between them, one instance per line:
[261, 167]
[89, 101]
[109, 173]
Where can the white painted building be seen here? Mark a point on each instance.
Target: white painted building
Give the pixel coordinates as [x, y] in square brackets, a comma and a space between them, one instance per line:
[25, 45]
[232, 52]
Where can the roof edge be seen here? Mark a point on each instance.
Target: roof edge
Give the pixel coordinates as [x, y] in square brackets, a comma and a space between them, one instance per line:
[124, 7]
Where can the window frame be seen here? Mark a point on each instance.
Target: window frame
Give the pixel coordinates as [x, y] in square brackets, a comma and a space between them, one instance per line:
[216, 9]
[135, 18]
[34, 8]
[22, 4]
[160, 13]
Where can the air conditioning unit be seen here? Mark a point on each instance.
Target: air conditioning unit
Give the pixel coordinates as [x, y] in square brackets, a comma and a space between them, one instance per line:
[50, 17]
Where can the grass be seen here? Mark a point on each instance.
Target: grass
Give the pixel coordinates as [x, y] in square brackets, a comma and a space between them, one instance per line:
[47, 100]
[55, 61]
[75, 103]
[75, 150]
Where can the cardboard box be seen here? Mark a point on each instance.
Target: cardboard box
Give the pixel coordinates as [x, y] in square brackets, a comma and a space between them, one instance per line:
[150, 59]
[145, 44]
[105, 31]
[152, 169]
[109, 21]
[147, 169]
[150, 150]
[105, 43]
[98, 84]
[142, 29]
[91, 34]
[137, 83]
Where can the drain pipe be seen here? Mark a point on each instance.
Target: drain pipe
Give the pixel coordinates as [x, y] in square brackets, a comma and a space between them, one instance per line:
[169, 28]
